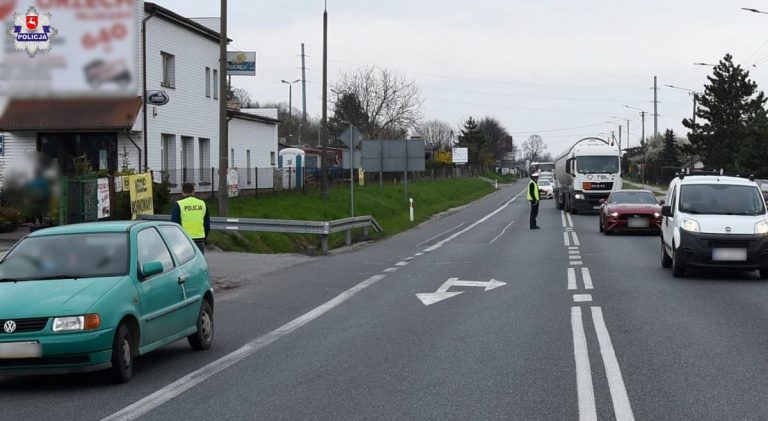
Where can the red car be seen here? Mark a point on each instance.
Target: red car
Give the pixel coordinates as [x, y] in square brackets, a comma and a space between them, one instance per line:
[630, 210]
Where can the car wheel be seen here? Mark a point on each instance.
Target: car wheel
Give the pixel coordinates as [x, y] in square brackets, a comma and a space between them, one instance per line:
[666, 261]
[203, 338]
[764, 272]
[122, 355]
[678, 269]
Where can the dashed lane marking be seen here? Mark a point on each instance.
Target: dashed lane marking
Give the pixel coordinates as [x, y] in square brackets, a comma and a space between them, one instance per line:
[587, 278]
[571, 279]
[621, 405]
[582, 298]
[584, 389]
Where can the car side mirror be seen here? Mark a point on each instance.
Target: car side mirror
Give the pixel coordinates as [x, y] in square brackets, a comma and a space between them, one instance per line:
[602, 201]
[661, 202]
[666, 211]
[151, 269]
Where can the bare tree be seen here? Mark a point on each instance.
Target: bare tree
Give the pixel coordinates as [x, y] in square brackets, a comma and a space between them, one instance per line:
[534, 147]
[497, 138]
[241, 95]
[390, 100]
[436, 133]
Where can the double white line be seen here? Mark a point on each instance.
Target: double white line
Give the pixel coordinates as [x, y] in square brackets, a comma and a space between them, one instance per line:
[585, 390]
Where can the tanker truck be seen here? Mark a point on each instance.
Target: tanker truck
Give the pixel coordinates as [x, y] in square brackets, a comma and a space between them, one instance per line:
[586, 172]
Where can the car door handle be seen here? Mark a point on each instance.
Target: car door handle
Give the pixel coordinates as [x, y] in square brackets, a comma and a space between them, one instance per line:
[182, 280]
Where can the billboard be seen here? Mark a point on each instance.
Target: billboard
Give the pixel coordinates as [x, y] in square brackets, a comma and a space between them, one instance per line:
[460, 155]
[241, 63]
[390, 155]
[68, 48]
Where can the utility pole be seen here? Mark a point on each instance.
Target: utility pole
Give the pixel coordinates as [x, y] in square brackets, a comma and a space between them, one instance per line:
[223, 133]
[324, 123]
[619, 139]
[655, 108]
[303, 86]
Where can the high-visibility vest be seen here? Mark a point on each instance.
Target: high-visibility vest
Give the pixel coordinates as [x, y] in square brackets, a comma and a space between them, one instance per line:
[192, 216]
[535, 191]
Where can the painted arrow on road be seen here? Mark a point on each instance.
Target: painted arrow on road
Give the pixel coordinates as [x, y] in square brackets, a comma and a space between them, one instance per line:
[429, 298]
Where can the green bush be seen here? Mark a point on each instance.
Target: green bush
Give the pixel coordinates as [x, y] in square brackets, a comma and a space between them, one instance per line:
[10, 218]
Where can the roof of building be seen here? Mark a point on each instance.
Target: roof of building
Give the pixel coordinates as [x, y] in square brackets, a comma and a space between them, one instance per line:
[182, 21]
[251, 117]
[37, 114]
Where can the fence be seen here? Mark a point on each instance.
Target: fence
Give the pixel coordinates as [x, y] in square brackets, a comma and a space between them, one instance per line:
[322, 228]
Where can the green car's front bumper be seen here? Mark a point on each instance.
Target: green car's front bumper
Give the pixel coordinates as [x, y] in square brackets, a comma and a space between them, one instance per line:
[74, 352]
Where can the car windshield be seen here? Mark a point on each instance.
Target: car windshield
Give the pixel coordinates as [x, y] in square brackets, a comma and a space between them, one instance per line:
[543, 183]
[721, 199]
[597, 164]
[639, 197]
[67, 256]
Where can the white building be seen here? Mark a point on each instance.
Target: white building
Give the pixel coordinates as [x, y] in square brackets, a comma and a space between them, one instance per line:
[182, 136]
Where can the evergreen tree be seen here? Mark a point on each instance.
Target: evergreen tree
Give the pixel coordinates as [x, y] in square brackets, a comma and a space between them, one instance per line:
[472, 138]
[348, 111]
[670, 152]
[731, 121]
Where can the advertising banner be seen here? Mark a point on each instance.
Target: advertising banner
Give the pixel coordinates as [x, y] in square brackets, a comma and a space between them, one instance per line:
[241, 63]
[103, 197]
[69, 48]
[460, 155]
[233, 182]
[141, 195]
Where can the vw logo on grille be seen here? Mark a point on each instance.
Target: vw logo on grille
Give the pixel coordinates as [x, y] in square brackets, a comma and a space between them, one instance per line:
[9, 326]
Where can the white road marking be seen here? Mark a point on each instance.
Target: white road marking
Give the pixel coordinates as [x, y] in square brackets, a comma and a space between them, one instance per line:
[573, 251]
[390, 269]
[572, 279]
[408, 259]
[440, 235]
[575, 239]
[476, 223]
[562, 216]
[566, 239]
[586, 394]
[573, 248]
[154, 400]
[575, 257]
[575, 263]
[442, 293]
[621, 406]
[587, 278]
[570, 221]
[502, 232]
[401, 264]
[418, 254]
[569, 229]
[582, 298]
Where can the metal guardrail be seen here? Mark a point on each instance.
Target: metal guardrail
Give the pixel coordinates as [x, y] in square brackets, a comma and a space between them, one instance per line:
[322, 228]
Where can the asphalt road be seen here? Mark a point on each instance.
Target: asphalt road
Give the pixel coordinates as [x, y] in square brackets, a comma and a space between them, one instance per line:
[573, 324]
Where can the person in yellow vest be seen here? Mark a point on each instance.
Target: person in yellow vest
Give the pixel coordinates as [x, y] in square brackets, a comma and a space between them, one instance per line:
[192, 214]
[533, 197]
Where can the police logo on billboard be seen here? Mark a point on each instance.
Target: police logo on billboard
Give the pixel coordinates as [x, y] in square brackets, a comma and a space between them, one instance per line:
[32, 31]
[9, 326]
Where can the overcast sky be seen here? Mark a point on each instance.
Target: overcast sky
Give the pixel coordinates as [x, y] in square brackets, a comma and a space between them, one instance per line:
[536, 66]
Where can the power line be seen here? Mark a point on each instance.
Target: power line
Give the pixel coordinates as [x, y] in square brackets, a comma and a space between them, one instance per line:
[563, 129]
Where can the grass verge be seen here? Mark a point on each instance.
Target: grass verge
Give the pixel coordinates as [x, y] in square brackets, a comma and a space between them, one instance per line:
[389, 207]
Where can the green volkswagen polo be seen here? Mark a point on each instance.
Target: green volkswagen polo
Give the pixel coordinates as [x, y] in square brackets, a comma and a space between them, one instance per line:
[95, 296]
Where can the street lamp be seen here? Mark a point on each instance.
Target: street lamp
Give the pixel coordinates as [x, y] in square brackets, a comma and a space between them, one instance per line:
[290, 95]
[642, 136]
[695, 96]
[623, 118]
[754, 10]
[705, 64]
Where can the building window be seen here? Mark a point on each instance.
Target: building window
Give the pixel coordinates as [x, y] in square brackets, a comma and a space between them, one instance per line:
[271, 158]
[232, 158]
[168, 157]
[205, 160]
[187, 159]
[207, 82]
[169, 70]
[248, 165]
[215, 84]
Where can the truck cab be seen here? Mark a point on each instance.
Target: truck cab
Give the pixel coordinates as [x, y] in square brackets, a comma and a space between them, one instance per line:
[587, 172]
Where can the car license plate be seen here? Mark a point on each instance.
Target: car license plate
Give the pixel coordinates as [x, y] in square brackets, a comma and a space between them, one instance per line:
[729, 255]
[637, 222]
[595, 207]
[20, 350]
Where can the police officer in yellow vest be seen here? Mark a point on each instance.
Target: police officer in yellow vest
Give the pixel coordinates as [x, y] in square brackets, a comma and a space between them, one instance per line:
[533, 197]
[192, 214]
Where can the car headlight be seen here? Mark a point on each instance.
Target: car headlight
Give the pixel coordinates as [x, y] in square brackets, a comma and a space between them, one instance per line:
[613, 214]
[75, 323]
[690, 225]
[761, 227]
[578, 196]
[656, 215]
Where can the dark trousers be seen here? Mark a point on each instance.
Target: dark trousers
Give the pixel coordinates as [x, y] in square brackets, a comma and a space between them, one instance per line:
[534, 213]
[201, 245]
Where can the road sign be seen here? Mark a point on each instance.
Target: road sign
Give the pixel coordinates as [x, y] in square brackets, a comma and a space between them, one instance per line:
[442, 293]
[460, 155]
[351, 136]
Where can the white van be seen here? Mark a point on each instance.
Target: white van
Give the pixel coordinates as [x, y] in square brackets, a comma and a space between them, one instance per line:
[714, 221]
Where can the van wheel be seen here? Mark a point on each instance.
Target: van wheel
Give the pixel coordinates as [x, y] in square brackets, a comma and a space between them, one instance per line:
[678, 269]
[666, 261]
